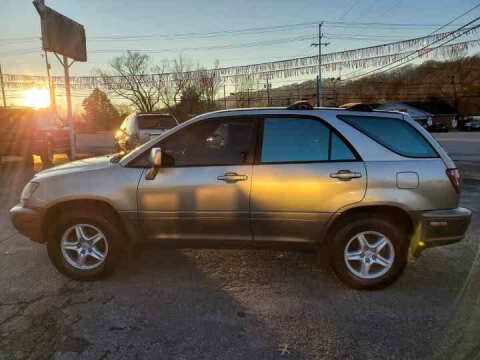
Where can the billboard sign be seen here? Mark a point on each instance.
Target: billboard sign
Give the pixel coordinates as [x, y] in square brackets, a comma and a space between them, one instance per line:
[61, 34]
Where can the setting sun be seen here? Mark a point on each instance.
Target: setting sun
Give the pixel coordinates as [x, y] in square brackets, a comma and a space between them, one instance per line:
[36, 98]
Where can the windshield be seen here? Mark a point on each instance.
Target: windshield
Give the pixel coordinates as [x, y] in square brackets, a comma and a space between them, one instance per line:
[156, 122]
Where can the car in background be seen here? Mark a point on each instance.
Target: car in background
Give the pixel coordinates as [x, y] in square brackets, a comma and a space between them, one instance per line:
[138, 128]
[26, 132]
[436, 126]
[471, 123]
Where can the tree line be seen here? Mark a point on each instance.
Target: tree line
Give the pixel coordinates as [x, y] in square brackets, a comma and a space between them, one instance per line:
[454, 81]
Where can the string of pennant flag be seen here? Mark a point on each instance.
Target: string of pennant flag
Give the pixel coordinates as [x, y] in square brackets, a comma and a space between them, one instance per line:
[363, 58]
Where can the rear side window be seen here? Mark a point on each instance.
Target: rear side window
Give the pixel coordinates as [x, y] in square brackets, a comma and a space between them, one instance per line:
[301, 140]
[157, 122]
[396, 135]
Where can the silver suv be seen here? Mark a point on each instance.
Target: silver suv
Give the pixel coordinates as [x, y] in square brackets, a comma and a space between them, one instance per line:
[371, 188]
[138, 128]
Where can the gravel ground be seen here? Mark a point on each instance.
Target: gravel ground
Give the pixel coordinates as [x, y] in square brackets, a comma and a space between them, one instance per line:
[235, 304]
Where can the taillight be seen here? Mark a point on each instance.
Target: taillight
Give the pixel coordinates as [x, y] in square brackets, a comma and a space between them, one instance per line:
[454, 176]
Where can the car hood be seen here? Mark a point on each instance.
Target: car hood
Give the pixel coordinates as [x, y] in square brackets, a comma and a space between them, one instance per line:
[94, 163]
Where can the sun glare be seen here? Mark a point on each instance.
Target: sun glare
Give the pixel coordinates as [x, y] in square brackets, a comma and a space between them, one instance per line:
[36, 98]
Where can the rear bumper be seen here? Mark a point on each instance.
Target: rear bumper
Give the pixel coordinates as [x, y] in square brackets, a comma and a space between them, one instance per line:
[28, 222]
[442, 227]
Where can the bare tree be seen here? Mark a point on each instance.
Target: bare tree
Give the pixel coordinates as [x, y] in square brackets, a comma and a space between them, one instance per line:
[208, 84]
[133, 77]
[243, 85]
[178, 80]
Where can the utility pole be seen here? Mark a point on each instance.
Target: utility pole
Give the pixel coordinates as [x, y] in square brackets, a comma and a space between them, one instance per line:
[3, 88]
[319, 77]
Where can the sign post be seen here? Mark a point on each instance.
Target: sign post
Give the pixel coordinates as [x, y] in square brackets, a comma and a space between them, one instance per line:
[3, 89]
[65, 37]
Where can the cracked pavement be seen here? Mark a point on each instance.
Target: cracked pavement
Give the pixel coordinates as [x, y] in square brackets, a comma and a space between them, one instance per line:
[236, 304]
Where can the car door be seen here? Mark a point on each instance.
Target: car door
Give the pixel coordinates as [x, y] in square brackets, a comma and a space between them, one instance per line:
[304, 172]
[203, 189]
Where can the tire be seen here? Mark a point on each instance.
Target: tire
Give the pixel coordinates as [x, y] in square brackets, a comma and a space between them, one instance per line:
[91, 220]
[28, 160]
[47, 154]
[346, 239]
[69, 155]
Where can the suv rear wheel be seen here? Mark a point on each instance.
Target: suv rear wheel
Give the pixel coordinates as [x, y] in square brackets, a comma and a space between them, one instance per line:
[368, 253]
[84, 245]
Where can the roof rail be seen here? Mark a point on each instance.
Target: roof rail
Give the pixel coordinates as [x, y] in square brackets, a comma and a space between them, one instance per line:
[300, 105]
[357, 107]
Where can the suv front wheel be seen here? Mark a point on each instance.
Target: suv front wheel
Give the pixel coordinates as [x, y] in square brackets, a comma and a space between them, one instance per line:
[84, 245]
[368, 253]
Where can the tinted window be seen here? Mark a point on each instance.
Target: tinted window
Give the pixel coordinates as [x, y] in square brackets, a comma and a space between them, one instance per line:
[301, 140]
[211, 142]
[396, 135]
[340, 150]
[160, 122]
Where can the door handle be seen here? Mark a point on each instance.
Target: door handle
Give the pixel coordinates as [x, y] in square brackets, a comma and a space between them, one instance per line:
[345, 175]
[232, 177]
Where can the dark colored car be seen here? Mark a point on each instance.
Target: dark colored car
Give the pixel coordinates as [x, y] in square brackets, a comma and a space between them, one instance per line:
[138, 128]
[471, 124]
[26, 132]
[435, 126]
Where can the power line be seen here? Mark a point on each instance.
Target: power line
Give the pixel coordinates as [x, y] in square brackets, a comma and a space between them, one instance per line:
[355, 2]
[425, 47]
[458, 17]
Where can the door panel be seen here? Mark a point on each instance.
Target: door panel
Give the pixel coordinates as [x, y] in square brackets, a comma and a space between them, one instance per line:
[204, 190]
[191, 203]
[292, 202]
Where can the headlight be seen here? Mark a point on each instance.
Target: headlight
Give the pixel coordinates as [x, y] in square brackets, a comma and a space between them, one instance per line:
[28, 190]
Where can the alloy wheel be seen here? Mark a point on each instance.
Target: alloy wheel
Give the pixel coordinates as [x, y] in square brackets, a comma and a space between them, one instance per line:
[369, 255]
[84, 246]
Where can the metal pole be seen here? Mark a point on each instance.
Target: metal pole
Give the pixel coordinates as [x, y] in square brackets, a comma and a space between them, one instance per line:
[50, 86]
[69, 106]
[225, 95]
[3, 89]
[268, 93]
[319, 79]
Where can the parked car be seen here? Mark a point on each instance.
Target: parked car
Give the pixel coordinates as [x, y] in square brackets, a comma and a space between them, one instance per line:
[471, 123]
[296, 175]
[436, 126]
[26, 132]
[138, 128]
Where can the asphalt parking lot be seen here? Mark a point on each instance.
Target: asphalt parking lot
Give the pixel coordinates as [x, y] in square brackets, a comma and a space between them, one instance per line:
[239, 304]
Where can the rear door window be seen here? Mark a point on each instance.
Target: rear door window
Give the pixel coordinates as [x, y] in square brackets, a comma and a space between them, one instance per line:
[157, 122]
[395, 134]
[287, 140]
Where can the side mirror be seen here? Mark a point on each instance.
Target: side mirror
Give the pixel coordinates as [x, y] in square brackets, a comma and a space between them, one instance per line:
[156, 157]
[156, 161]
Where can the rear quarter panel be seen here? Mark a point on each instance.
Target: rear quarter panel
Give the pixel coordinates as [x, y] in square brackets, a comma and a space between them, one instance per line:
[434, 190]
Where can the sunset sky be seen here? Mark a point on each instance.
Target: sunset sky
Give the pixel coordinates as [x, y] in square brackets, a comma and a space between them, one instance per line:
[108, 22]
[234, 32]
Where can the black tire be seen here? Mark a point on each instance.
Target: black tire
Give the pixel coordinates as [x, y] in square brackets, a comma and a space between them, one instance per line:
[69, 155]
[100, 219]
[47, 154]
[353, 226]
